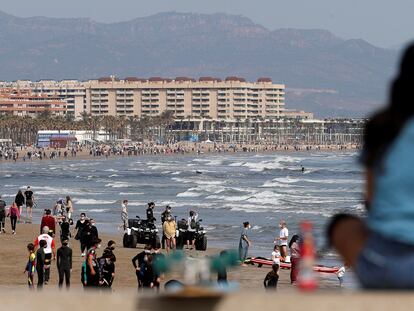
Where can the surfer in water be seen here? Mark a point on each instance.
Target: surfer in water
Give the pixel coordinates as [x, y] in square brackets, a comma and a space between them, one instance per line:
[302, 168]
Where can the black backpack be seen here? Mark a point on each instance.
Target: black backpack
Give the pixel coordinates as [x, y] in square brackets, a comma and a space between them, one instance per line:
[2, 208]
[193, 223]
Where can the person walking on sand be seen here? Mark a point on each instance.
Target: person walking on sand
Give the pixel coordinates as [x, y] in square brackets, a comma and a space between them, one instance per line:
[40, 263]
[341, 273]
[81, 225]
[138, 260]
[29, 199]
[64, 263]
[192, 227]
[64, 229]
[14, 215]
[19, 200]
[69, 208]
[48, 221]
[164, 216]
[244, 243]
[283, 239]
[49, 250]
[31, 265]
[2, 216]
[169, 228]
[124, 214]
[90, 270]
[294, 246]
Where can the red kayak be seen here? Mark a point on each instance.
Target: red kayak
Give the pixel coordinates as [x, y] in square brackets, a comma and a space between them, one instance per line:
[285, 265]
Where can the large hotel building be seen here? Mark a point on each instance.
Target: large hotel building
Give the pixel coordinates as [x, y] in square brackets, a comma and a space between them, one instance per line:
[206, 98]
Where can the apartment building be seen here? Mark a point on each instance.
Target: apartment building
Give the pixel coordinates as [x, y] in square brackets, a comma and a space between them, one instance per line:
[72, 92]
[25, 102]
[206, 98]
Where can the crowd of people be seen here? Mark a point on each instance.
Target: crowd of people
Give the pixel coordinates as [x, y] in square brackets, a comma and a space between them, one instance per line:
[24, 153]
[278, 255]
[16, 209]
[100, 271]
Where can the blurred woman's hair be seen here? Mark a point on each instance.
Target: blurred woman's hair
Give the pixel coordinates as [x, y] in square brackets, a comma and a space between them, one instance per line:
[294, 239]
[385, 126]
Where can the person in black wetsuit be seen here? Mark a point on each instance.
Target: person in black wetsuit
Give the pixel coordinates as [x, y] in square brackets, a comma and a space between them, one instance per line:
[64, 263]
[106, 269]
[146, 272]
[80, 225]
[40, 263]
[19, 200]
[110, 249]
[94, 230]
[64, 229]
[137, 261]
[150, 212]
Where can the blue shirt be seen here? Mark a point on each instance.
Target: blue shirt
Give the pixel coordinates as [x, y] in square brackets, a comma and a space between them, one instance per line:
[392, 208]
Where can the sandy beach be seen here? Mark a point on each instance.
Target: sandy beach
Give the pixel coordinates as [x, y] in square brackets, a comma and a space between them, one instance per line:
[181, 148]
[13, 258]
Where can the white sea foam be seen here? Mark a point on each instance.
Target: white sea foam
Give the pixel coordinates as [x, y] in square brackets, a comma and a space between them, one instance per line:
[7, 176]
[113, 175]
[236, 164]
[189, 194]
[95, 210]
[46, 190]
[8, 195]
[111, 170]
[93, 202]
[137, 203]
[200, 160]
[119, 184]
[131, 193]
[181, 180]
[215, 162]
[11, 186]
[277, 163]
[209, 182]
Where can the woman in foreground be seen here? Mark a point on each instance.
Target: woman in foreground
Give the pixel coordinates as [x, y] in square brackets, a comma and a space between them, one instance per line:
[381, 247]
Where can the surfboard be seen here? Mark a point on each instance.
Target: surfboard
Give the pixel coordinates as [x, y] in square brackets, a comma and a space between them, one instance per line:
[285, 265]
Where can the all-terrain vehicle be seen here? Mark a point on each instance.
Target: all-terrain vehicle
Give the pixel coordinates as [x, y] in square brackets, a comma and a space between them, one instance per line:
[199, 235]
[140, 231]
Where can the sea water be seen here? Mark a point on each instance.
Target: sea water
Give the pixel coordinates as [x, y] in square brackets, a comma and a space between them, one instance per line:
[232, 188]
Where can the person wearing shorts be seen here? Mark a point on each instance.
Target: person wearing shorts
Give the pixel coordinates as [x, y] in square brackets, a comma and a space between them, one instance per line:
[29, 203]
[283, 239]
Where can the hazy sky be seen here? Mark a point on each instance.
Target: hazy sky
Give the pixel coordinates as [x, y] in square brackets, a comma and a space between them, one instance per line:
[381, 22]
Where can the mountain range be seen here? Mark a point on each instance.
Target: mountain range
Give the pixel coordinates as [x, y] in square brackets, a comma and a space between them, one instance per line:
[323, 73]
